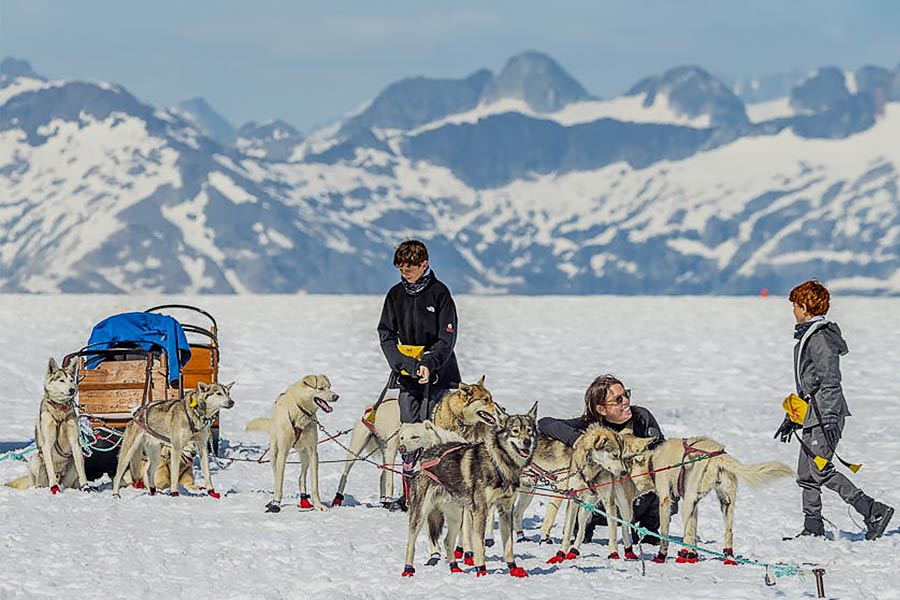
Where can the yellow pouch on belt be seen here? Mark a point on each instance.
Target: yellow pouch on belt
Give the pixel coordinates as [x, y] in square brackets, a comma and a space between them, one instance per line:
[796, 408]
[415, 352]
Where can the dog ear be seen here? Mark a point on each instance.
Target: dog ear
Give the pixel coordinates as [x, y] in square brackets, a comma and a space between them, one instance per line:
[481, 381]
[533, 412]
[202, 387]
[228, 387]
[324, 381]
[52, 366]
[466, 389]
[502, 415]
[73, 366]
[429, 426]
[310, 380]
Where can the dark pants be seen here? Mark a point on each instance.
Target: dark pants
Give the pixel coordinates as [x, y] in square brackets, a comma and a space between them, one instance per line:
[646, 515]
[415, 408]
[811, 480]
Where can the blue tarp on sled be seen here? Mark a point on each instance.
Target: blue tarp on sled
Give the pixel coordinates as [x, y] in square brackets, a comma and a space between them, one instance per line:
[149, 331]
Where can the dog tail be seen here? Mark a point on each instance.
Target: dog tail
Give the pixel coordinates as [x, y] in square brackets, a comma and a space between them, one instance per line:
[435, 525]
[261, 424]
[19, 483]
[756, 474]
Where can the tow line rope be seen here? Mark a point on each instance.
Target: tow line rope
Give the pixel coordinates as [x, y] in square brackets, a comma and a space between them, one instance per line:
[777, 569]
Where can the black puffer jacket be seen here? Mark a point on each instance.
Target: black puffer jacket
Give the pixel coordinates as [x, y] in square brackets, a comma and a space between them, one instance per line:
[427, 319]
[642, 423]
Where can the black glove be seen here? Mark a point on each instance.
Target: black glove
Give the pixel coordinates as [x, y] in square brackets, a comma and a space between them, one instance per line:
[831, 430]
[785, 429]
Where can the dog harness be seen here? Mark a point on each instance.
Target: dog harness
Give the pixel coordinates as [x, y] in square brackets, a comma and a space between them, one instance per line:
[429, 464]
[688, 450]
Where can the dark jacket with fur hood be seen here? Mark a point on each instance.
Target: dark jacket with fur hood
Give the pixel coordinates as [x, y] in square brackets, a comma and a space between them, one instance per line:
[817, 371]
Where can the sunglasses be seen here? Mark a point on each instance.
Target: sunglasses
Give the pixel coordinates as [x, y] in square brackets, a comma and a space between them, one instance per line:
[620, 399]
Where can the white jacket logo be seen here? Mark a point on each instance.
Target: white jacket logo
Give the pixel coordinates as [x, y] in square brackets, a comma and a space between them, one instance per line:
[429, 308]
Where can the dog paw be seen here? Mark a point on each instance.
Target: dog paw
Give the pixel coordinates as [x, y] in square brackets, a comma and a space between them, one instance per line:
[305, 504]
[321, 508]
[516, 571]
[481, 571]
[660, 558]
[557, 558]
[458, 553]
[116, 495]
[138, 485]
[687, 557]
[545, 540]
[273, 507]
[454, 568]
[613, 556]
[213, 493]
[434, 559]
[54, 489]
[489, 542]
[520, 537]
[338, 500]
[174, 494]
[469, 559]
[87, 488]
[152, 491]
[630, 555]
[729, 557]
[408, 571]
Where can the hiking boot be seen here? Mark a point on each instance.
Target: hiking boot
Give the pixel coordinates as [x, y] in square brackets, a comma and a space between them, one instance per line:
[812, 527]
[875, 514]
[878, 520]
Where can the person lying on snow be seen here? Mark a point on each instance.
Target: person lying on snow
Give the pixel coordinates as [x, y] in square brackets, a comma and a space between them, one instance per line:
[608, 402]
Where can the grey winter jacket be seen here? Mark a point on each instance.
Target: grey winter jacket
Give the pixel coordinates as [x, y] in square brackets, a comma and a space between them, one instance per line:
[817, 371]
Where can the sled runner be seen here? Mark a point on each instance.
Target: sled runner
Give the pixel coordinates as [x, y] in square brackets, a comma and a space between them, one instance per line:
[134, 359]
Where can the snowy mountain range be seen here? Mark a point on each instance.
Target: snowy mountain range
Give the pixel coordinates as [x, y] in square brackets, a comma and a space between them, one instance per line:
[521, 182]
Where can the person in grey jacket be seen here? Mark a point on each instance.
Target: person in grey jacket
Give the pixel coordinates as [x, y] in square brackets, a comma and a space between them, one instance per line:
[817, 376]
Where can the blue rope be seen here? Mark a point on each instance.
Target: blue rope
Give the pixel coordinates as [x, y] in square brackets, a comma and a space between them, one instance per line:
[779, 569]
[19, 454]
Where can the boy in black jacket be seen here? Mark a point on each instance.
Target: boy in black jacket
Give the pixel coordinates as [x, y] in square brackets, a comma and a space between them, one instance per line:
[418, 332]
[817, 375]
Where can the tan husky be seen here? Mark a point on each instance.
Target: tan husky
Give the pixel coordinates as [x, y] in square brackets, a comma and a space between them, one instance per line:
[692, 482]
[551, 457]
[467, 411]
[596, 472]
[59, 460]
[161, 478]
[174, 423]
[294, 426]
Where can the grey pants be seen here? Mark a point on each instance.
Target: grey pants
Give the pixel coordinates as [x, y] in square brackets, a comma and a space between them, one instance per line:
[811, 479]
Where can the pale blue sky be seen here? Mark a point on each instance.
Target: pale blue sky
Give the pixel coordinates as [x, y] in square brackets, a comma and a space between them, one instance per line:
[310, 62]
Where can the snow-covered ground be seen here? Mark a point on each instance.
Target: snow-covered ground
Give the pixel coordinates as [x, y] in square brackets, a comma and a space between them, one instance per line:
[716, 366]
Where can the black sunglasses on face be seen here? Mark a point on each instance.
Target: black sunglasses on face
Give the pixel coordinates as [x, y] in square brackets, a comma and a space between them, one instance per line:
[618, 400]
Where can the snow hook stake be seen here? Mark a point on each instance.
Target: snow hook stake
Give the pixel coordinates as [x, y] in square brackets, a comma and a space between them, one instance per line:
[820, 583]
[770, 577]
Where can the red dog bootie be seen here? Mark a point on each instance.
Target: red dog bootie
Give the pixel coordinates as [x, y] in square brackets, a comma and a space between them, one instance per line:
[213, 493]
[630, 555]
[557, 558]
[516, 571]
[469, 558]
[305, 504]
[660, 558]
[408, 571]
[729, 556]
[338, 499]
[454, 567]
[55, 490]
[480, 571]
[138, 485]
[687, 556]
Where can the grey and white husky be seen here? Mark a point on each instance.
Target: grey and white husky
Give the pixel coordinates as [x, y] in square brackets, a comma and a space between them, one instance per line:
[58, 461]
[455, 477]
[174, 423]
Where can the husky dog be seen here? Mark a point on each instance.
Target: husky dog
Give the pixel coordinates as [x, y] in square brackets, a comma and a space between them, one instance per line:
[468, 411]
[595, 472]
[455, 477]
[553, 457]
[174, 423]
[161, 478]
[692, 482]
[417, 436]
[294, 426]
[59, 460]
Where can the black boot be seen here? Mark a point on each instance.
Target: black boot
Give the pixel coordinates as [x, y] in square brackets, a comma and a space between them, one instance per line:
[875, 514]
[813, 526]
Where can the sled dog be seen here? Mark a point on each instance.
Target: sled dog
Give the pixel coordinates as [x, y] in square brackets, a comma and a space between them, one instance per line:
[552, 457]
[174, 423]
[455, 477]
[161, 478]
[418, 436]
[294, 425]
[692, 482]
[468, 411]
[596, 472]
[58, 460]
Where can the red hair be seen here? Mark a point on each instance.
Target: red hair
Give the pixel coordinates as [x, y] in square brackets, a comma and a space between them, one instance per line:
[813, 295]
